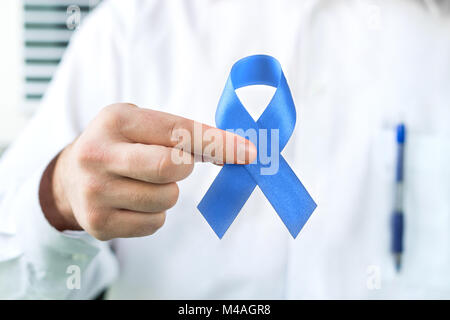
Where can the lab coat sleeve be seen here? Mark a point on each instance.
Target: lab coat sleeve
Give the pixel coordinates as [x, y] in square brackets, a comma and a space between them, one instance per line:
[37, 261]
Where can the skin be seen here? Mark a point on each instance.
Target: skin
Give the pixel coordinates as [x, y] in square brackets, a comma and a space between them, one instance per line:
[118, 178]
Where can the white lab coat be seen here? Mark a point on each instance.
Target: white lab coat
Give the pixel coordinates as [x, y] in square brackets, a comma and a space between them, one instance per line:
[355, 68]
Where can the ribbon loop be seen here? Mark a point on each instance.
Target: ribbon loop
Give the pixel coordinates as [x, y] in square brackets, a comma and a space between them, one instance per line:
[235, 183]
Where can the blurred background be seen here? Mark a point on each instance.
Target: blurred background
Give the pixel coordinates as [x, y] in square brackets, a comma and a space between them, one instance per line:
[34, 36]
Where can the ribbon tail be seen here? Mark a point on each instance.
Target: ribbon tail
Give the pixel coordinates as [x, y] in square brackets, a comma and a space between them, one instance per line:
[225, 197]
[287, 195]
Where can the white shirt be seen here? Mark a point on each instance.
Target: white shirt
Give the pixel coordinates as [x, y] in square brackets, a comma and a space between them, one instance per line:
[355, 68]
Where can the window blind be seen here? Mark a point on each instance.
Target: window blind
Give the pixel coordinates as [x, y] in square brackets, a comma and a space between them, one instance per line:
[48, 26]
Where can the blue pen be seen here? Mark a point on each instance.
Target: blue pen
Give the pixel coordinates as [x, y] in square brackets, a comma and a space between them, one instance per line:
[398, 213]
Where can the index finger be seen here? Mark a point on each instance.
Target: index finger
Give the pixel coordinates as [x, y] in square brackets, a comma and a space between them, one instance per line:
[206, 143]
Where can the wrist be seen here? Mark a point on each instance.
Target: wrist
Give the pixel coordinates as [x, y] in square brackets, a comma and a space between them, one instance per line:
[52, 196]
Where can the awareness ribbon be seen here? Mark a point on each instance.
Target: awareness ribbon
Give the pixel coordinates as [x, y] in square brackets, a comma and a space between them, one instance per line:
[235, 183]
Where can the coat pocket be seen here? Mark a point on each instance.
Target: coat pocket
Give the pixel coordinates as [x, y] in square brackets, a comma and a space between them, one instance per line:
[427, 212]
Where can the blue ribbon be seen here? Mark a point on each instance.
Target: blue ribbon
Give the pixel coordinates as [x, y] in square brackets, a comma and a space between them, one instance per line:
[235, 183]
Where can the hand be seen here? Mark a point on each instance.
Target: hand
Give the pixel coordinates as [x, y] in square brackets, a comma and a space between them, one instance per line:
[118, 178]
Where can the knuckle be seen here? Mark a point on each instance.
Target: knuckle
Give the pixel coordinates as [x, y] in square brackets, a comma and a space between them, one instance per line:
[164, 168]
[96, 222]
[129, 105]
[90, 152]
[177, 131]
[174, 133]
[141, 198]
[93, 187]
[154, 222]
[111, 116]
[99, 235]
[132, 159]
[110, 112]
